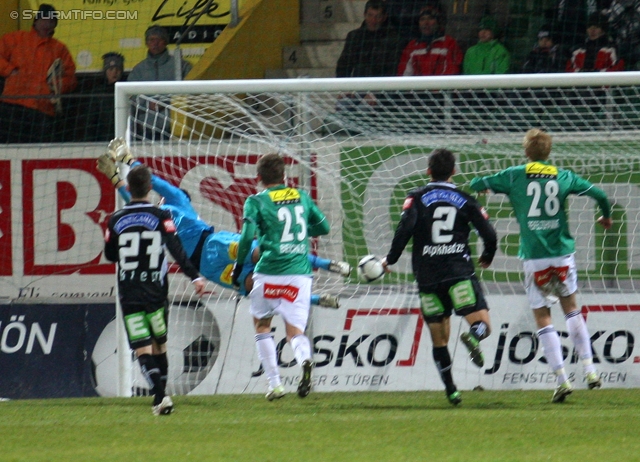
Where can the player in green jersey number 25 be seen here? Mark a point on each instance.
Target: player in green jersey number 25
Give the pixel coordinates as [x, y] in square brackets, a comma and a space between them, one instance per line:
[283, 218]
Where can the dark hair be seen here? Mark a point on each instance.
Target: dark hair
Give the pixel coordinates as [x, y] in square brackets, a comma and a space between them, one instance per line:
[442, 164]
[139, 181]
[46, 11]
[271, 169]
[598, 20]
[434, 10]
[380, 5]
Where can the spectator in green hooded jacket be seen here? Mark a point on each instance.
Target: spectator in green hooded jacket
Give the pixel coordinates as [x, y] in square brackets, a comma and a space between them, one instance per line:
[488, 56]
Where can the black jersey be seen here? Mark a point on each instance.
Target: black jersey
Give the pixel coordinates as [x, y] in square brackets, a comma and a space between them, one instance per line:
[437, 217]
[136, 238]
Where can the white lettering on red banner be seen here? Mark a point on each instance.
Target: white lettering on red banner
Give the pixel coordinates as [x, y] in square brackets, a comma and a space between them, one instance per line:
[272, 291]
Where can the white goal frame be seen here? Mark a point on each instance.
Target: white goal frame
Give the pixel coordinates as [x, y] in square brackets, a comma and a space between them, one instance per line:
[125, 91]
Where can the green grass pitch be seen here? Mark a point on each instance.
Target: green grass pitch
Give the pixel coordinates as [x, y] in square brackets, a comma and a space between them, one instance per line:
[385, 426]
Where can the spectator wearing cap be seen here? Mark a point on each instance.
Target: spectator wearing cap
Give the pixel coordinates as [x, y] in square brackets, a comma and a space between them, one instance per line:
[113, 67]
[152, 117]
[434, 53]
[403, 15]
[98, 109]
[546, 56]
[598, 53]
[36, 68]
[488, 56]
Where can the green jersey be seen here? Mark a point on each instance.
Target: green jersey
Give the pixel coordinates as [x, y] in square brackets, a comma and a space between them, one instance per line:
[538, 192]
[282, 219]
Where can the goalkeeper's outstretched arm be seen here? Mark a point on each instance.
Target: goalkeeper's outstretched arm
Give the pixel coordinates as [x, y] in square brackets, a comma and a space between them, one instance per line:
[118, 151]
[107, 165]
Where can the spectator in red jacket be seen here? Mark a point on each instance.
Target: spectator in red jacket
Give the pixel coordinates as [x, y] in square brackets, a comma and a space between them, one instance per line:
[434, 53]
[598, 54]
[36, 68]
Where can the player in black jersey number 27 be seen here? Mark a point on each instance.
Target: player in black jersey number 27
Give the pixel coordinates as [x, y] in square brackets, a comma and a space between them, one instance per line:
[437, 217]
[135, 238]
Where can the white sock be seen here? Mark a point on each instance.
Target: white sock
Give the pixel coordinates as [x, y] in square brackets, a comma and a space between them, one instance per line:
[553, 351]
[301, 348]
[268, 356]
[579, 335]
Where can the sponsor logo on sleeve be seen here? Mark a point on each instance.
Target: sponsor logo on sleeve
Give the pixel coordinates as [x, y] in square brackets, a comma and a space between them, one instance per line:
[170, 226]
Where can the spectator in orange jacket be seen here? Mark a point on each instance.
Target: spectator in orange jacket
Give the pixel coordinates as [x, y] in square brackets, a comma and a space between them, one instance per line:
[434, 53]
[598, 54]
[36, 68]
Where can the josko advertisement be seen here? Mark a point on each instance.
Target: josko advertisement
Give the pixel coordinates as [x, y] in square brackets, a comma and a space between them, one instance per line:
[378, 342]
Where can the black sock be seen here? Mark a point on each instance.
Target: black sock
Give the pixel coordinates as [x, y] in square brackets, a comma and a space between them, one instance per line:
[443, 363]
[151, 372]
[163, 365]
[479, 330]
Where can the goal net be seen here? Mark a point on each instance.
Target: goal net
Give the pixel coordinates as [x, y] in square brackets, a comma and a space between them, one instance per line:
[358, 146]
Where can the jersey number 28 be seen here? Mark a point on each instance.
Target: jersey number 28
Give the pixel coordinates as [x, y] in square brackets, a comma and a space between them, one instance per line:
[551, 202]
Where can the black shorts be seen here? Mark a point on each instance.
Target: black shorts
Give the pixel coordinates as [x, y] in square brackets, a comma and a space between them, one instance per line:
[462, 296]
[144, 323]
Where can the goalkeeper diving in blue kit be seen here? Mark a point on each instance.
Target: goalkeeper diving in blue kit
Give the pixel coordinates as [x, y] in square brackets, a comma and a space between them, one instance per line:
[212, 252]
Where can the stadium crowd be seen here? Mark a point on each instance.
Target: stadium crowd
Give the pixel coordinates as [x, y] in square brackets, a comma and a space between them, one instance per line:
[396, 38]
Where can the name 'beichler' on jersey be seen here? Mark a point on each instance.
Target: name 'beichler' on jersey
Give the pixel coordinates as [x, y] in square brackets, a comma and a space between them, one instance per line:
[136, 238]
[437, 217]
[538, 192]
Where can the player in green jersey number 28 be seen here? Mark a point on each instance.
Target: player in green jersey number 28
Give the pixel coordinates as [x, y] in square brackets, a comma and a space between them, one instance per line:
[538, 193]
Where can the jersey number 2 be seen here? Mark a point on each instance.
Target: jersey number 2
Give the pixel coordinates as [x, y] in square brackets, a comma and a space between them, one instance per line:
[443, 220]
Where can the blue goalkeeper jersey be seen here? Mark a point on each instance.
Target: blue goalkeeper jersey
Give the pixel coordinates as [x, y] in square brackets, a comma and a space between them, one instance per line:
[219, 253]
[188, 223]
[219, 249]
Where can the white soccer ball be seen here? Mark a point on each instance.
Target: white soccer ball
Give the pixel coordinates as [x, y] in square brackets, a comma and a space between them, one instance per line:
[370, 269]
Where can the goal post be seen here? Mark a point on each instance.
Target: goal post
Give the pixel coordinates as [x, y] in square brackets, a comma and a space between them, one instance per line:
[358, 146]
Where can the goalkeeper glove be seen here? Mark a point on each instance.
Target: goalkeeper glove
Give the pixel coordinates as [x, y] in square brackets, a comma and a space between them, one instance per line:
[106, 165]
[120, 150]
[235, 275]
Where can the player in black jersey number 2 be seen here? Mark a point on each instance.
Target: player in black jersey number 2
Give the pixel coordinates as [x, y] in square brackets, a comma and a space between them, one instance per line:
[437, 217]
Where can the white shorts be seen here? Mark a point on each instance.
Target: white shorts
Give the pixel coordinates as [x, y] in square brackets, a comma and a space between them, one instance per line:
[545, 279]
[288, 296]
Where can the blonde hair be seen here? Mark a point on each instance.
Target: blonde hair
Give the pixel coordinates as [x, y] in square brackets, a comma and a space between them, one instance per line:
[537, 144]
